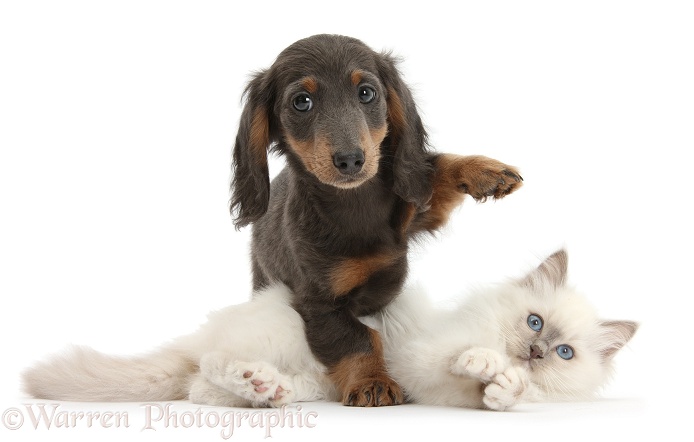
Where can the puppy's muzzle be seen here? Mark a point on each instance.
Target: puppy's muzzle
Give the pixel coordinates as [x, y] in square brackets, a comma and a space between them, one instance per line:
[349, 163]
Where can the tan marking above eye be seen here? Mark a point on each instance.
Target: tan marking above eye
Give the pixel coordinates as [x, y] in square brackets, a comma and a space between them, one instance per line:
[357, 76]
[309, 84]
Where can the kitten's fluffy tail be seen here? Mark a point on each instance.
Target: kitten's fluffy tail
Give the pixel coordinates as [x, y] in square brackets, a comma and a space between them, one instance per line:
[85, 375]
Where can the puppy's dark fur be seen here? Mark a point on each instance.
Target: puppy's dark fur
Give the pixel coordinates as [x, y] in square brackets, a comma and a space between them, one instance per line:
[359, 184]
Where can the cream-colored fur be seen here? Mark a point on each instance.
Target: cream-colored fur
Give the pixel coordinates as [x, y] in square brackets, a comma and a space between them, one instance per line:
[477, 355]
[252, 354]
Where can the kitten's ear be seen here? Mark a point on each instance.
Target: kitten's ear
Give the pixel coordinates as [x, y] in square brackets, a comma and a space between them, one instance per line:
[551, 272]
[615, 335]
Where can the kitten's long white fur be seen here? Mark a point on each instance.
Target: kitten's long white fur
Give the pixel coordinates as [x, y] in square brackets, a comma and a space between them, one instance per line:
[83, 374]
[264, 329]
[256, 354]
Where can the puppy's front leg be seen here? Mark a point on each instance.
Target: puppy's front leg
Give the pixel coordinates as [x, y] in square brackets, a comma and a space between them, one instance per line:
[353, 354]
[454, 177]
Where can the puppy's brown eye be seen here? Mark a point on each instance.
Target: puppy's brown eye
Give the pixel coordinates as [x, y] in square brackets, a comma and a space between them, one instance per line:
[367, 94]
[302, 102]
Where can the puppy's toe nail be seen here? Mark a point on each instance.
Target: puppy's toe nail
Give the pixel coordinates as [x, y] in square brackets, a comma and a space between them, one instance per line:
[512, 175]
[393, 397]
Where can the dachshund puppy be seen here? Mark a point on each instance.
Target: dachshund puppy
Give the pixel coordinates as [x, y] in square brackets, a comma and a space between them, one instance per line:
[359, 184]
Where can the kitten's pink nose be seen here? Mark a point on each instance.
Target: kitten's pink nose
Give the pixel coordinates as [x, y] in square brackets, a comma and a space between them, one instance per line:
[535, 352]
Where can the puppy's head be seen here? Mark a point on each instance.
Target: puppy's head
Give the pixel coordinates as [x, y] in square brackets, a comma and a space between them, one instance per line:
[338, 110]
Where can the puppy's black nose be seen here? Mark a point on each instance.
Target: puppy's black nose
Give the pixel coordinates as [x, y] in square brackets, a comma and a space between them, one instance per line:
[349, 163]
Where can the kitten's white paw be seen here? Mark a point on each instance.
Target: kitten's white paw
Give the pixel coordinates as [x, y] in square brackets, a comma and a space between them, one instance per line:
[480, 363]
[259, 382]
[263, 383]
[506, 389]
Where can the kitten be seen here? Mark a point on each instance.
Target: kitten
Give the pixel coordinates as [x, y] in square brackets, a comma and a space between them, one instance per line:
[532, 339]
[535, 339]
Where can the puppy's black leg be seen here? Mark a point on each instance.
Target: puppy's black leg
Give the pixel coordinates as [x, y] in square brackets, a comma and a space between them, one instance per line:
[353, 354]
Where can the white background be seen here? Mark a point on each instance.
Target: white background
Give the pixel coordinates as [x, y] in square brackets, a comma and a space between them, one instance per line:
[116, 126]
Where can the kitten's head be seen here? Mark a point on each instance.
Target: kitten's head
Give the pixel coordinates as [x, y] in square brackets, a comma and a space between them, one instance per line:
[557, 334]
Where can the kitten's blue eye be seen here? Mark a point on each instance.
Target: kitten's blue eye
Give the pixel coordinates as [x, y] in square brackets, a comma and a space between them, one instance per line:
[535, 322]
[565, 352]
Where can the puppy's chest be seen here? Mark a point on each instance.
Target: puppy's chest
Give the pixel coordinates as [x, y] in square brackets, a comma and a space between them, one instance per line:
[347, 273]
[354, 253]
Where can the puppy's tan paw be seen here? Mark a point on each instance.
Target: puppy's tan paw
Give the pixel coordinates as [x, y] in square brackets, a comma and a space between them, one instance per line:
[375, 392]
[482, 178]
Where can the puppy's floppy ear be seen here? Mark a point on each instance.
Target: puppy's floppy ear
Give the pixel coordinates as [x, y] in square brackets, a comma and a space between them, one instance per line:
[250, 184]
[407, 138]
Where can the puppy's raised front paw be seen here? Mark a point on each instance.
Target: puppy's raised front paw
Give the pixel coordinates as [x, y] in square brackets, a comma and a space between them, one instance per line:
[481, 177]
[484, 177]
